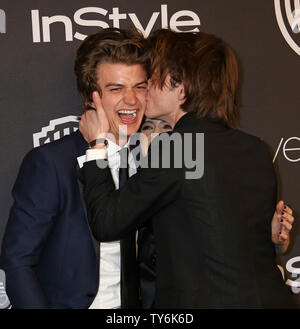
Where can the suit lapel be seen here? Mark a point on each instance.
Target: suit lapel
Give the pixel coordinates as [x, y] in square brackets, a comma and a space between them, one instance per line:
[82, 146]
[96, 244]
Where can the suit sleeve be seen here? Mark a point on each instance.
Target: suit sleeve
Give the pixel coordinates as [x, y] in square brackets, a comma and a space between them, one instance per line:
[36, 201]
[112, 214]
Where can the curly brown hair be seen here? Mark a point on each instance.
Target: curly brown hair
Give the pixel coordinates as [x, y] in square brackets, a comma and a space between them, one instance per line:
[110, 45]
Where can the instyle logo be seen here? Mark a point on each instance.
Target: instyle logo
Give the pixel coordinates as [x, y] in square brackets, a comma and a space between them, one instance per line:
[55, 130]
[41, 31]
[2, 21]
[290, 149]
[288, 18]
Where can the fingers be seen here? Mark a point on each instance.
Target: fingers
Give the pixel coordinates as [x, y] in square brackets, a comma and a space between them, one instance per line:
[283, 236]
[88, 125]
[82, 118]
[97, 100]
[288, 209]
[102, 120]
[284, 213]
[89, 109]
[287, 217]
[280, 206]
[286, 221]
[87, 114]
[287, 226]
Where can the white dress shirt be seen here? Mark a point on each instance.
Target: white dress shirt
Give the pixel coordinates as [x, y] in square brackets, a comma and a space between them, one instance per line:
[109, 291]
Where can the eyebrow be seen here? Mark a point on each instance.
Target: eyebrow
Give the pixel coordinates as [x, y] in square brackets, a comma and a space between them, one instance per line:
[112, 84]
[164, 122]
[160, 121]
[141, 83]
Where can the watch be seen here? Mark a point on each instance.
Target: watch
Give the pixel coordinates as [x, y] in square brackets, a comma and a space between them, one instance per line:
[97, 142]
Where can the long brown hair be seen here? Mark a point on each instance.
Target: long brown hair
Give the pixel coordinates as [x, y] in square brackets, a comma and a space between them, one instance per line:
[206, 66]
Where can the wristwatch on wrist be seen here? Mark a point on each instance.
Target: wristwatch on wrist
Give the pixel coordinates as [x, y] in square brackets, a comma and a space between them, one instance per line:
[97, 142]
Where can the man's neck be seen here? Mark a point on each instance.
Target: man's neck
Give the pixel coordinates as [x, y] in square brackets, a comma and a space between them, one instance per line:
[173, 118]
[179, 116]
[121, 141]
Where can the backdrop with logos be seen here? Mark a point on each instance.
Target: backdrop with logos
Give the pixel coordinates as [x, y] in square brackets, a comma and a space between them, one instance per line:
[39, 101]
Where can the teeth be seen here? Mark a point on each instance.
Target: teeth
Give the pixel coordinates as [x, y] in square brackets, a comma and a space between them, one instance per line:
[127, 112]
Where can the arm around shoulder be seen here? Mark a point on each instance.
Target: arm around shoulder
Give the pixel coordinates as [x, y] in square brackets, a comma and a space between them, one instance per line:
[112, 214]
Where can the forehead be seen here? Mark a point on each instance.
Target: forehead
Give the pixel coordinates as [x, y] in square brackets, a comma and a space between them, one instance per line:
[120, 73]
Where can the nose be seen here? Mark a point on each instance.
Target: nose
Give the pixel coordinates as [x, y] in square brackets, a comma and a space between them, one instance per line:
[130, 97]
[156, 130]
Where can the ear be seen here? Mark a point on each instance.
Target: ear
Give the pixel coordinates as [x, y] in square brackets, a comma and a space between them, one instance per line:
[89, 105]
[181, 93]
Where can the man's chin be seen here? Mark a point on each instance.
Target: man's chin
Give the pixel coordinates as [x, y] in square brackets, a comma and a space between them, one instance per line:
[149, 111]
[133, 130]
[129, 130]
[150, 114]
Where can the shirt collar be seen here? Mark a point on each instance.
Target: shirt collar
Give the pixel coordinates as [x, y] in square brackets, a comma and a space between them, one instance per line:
[113, 156]
[113, 148]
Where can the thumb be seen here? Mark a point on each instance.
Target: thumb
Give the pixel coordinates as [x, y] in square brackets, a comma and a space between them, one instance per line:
[280, 206]
[97, 101]
[101, 114]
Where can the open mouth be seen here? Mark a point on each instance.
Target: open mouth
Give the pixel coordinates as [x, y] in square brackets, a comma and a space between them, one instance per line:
[128, 117]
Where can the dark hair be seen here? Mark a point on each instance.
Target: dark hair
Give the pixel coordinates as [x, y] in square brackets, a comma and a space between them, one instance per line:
[110, 45]
[206, 66]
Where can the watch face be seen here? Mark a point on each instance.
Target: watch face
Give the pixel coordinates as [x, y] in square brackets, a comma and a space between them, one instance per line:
[97, 142]
[101, 141]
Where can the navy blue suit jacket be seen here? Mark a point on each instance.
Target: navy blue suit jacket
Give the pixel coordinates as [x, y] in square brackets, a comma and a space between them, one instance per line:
[48, 252]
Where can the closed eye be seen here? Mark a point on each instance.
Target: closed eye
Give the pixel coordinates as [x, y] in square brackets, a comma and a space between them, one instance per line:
[142, 85]
[146, 127]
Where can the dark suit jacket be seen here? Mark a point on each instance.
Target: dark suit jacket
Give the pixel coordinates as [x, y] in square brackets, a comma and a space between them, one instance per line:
[48, 252]
[147, 265]
[213, 235]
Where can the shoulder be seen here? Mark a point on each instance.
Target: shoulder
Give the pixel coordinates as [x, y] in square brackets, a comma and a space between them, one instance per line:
[67, 143]
[256, 144]
[66, 147]
[251, 139]
[46, 163]
[56, 158]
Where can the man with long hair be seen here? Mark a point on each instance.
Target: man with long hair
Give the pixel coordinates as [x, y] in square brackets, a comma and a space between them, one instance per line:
[212, 232]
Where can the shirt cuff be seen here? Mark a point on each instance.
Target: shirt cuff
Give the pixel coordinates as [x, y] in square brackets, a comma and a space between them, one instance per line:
[96, 154]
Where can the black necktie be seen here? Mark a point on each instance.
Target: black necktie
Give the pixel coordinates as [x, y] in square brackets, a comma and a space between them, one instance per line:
[123, 170]
[129, 279]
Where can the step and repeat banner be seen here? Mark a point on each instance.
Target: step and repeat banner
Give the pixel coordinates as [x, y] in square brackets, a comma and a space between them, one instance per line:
[39, 101]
